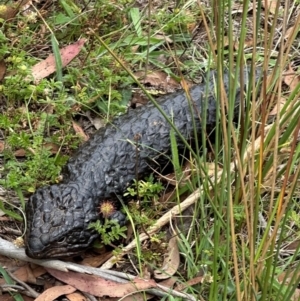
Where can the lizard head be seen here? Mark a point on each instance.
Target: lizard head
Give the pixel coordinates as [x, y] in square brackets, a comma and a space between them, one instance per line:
[57, 222]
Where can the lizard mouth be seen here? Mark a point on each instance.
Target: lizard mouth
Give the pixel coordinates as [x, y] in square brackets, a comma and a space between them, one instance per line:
[51, 253]
[35, 248]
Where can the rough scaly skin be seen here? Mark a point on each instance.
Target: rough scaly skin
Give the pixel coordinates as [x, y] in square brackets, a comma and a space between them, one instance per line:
[58, 216]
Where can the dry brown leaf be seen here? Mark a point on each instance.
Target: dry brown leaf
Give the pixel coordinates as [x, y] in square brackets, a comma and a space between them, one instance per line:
[163, 37]
[8, 12]
[20, 153]
[247, 44]
[2, 69]
[191, 282]
[52, 147]
[4, 218]
[135, 48]
[169, 282]
[171, 261]
[76, 297]
[288, 276]
[100, 287]
[296, 295]
[271, 5]
[9, 264]
[293, 246]
[78, 130]
[54, 292]
[35, 271]
[278, 108]
[48, 66]
[159, 80]
[96, 261]
[291, 78]
[29, 275]
[2, 146]
[238, 7]
[8, 297]
[290, 31]
[23, 273]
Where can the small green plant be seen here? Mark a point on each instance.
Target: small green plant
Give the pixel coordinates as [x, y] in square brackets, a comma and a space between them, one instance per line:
[151, 256]
[109, 231]
[142, 217]
[147, 190]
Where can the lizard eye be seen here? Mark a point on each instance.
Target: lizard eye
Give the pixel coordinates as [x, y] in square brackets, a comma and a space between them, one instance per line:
[61, 240]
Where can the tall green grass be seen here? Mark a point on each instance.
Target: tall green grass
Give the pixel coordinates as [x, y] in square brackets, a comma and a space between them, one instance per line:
[245, 254]
[239, 225]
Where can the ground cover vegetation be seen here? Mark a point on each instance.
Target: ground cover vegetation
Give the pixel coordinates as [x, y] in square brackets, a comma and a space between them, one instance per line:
[240, 238]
